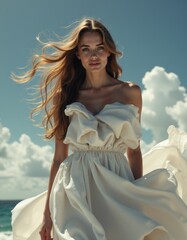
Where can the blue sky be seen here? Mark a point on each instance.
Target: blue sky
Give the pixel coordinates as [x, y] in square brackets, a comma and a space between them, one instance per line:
[150, 33]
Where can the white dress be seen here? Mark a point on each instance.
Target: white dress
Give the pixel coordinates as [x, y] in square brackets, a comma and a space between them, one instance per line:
[94, 195]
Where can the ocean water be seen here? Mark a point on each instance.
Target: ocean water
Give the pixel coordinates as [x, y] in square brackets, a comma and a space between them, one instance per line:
[5, 218]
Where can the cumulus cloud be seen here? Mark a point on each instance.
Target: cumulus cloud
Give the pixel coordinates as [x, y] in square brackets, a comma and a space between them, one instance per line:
[178, 112]
[164, 102]
[24, 166]
[23, 157]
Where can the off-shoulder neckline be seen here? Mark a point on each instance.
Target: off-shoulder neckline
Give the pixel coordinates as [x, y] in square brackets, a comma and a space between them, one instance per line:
[105, 106]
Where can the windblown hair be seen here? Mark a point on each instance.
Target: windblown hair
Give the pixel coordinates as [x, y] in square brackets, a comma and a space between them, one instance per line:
[63, 75]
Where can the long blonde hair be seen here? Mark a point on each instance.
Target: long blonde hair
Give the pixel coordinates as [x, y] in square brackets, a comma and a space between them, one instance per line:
[63, 75]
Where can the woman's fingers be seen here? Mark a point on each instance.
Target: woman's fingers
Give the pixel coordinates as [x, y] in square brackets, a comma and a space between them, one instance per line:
[45, 234]
[45, 231]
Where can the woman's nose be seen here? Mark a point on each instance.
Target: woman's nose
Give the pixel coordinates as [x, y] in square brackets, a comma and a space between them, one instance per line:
[93, 54]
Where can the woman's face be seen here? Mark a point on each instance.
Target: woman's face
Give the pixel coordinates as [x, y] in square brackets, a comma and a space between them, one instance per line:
[92, 52]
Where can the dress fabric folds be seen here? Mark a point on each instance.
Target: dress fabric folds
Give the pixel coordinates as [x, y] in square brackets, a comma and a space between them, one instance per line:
[94, 195]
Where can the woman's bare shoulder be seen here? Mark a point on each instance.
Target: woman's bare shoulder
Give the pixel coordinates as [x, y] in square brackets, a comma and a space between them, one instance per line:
[131, 86]
[131, 93]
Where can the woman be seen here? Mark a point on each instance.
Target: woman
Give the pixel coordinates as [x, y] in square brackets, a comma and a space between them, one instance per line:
[95, 193]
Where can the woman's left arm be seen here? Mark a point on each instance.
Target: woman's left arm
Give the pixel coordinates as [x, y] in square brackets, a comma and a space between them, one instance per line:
[135, 161]
[135, 155]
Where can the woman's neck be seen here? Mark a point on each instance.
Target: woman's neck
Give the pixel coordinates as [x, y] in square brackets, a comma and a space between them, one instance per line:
[96, 80]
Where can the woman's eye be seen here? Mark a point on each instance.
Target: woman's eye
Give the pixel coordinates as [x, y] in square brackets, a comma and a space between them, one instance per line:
[85, 50]
[100, 49]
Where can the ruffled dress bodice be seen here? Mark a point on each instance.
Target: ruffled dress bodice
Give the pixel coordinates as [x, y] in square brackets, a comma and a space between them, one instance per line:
[115, 127]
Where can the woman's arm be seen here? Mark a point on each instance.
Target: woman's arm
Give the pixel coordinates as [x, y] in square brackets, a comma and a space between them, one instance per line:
[61, 152]
[135, 155]
[135, 161]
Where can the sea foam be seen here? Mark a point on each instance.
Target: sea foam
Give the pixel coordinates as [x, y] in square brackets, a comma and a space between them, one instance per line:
[6, 235]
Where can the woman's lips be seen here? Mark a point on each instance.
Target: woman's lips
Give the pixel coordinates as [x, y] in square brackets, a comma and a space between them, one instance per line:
[94, 63]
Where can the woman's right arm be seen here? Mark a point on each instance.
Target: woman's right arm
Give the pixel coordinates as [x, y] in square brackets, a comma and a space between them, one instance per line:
[61, 152]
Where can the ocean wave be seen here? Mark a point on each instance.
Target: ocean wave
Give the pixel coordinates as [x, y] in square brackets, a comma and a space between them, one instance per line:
[6, 235]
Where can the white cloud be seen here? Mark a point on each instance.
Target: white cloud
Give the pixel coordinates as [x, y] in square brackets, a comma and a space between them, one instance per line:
[164, 102]
[23, 157]
[179, 113]
[24, 166]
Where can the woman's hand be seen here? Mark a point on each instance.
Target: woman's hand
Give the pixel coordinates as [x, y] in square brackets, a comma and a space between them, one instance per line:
[45, 232]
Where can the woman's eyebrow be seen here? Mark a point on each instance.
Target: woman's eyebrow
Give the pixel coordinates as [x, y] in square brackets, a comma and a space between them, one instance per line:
[85, 45]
